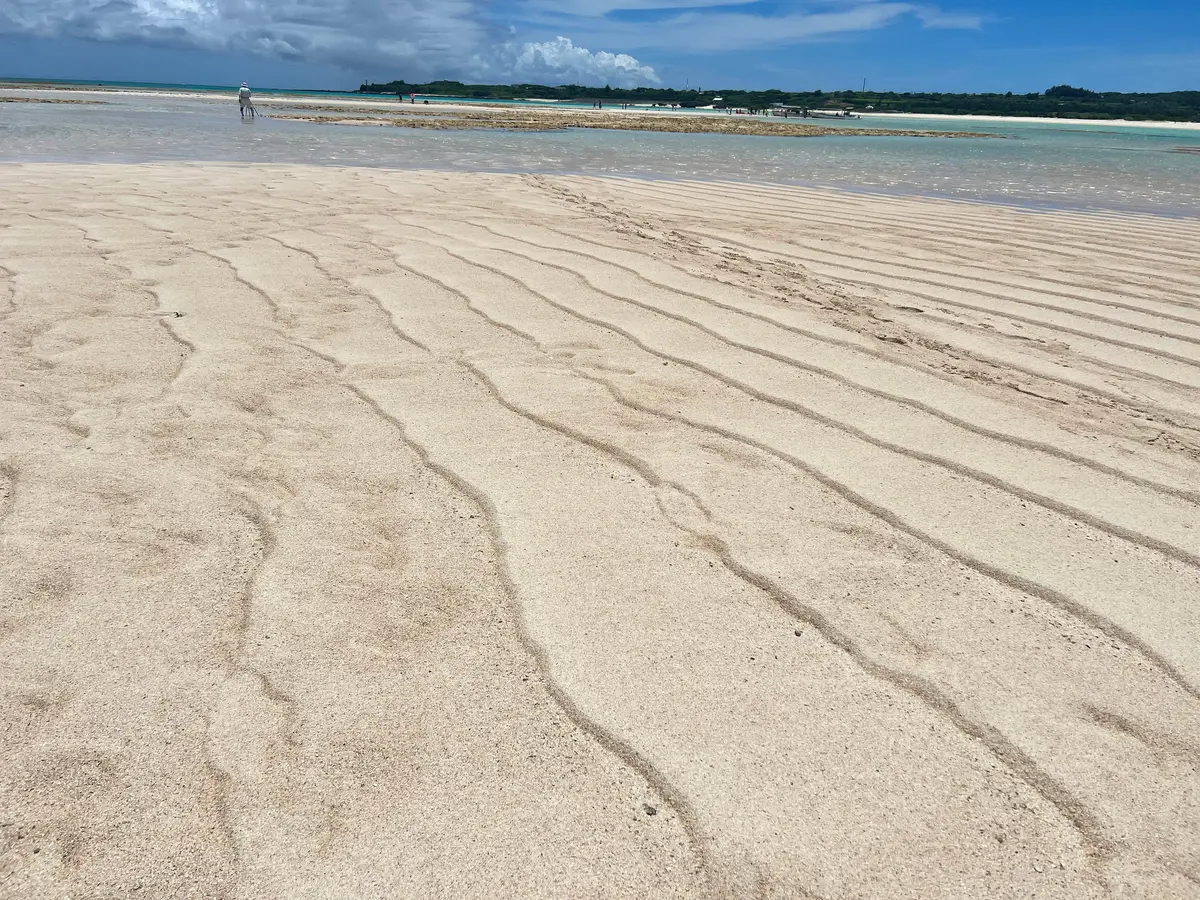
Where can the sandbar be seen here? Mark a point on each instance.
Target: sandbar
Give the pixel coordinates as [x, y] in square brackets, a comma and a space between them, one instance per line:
[370, 533]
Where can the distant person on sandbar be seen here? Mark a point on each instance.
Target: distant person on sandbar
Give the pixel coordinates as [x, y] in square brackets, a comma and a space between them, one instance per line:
[244, 103]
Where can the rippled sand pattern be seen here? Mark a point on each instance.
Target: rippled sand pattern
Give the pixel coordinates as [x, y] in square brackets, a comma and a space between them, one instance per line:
[386, 534]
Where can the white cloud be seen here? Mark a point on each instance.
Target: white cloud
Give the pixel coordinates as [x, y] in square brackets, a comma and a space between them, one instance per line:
[408, 35]
[561, 60]
[696, 27]
[422, 39]
[586, 8]
[935, 18]
[740, 30]
[413, 39]
[707, 31]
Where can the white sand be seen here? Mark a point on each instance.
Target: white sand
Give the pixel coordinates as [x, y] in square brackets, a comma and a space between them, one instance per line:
[399, 534]
[1040, 120]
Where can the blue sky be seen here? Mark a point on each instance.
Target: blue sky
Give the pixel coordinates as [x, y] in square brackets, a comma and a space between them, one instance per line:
[952, 45]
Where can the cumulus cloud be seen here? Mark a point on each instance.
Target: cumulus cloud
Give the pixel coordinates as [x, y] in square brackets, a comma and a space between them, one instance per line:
[422, 39]
[413, 39]
[561, 60]
[353, 34]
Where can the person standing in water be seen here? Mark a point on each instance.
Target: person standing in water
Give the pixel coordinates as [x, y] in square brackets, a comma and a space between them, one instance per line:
[244, 100]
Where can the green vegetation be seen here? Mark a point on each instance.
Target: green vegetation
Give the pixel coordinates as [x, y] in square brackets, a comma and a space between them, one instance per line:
[1062, 101]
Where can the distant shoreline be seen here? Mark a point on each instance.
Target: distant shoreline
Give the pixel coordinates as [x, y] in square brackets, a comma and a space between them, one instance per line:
[369, 100]
[448, 115]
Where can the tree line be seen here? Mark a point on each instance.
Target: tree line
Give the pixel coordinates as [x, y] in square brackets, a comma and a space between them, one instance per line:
[1061, 101]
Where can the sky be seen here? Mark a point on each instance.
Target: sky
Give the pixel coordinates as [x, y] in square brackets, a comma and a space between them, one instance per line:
[902, 45]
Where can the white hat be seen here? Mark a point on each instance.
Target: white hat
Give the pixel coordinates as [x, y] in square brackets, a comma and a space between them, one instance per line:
[244, 84]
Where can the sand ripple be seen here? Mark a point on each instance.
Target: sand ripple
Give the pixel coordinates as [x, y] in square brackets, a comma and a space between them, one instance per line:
[371, 533]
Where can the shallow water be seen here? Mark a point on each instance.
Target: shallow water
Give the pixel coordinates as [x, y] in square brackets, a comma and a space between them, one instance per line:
[1058, 165]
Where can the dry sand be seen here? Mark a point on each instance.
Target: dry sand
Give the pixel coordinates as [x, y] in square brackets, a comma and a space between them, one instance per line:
[400, 534]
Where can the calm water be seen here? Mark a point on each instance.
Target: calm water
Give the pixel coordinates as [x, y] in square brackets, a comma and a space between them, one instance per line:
[1060, 165]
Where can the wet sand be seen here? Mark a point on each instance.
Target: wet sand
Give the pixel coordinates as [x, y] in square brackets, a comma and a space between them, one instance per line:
[406, 534]
[76, 102]
[444, 116]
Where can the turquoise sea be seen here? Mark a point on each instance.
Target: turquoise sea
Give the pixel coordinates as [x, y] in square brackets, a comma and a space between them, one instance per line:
[1061, 165]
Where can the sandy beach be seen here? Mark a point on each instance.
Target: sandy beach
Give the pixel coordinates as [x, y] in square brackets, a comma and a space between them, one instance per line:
[371, 533]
